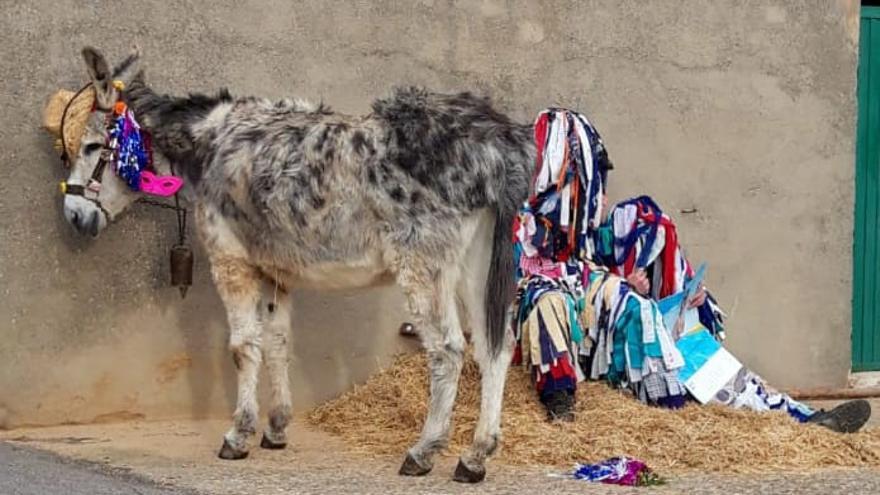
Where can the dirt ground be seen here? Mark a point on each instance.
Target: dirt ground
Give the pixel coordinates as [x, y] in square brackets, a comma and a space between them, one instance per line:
[182, 454]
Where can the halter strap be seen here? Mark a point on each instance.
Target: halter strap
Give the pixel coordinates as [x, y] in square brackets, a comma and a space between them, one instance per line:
[94, 184]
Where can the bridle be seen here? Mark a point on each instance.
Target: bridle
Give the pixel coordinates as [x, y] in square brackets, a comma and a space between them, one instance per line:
[91, 190]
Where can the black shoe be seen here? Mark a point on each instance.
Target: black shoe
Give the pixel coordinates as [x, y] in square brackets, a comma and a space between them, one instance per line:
[845, 418]
[560, 406]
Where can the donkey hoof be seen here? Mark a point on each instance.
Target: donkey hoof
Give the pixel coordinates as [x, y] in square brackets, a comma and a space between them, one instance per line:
[464, 474]
[411, 467]
[269, 444]
[231, 454]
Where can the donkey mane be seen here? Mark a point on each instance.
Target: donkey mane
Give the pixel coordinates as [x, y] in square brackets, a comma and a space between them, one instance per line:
[170, 120]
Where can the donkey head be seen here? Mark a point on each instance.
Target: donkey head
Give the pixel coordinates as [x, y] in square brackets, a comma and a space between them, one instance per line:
[93, 193]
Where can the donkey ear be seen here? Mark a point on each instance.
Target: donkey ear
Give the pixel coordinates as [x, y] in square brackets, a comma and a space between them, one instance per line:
[99, 72]
[128, 68]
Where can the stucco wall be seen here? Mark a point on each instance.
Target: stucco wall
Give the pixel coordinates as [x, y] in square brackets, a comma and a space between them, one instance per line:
[742, 112]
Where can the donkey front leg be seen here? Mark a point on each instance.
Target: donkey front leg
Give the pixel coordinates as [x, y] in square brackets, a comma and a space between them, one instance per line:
[276, 332]
[239, 286]
[432, 303]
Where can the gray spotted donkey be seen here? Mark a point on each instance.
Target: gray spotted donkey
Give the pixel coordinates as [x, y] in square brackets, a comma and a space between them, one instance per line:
[421, 191]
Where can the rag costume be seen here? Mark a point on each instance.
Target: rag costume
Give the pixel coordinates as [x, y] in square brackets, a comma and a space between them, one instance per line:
[575, 317]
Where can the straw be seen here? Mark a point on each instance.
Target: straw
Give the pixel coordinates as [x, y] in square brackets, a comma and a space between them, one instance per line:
[74, 124]
[384, 416]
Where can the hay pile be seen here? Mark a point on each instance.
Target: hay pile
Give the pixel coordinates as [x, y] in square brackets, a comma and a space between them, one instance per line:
[384, 417]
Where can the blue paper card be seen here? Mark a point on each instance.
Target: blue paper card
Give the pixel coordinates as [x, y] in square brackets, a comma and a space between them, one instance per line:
[696, 348]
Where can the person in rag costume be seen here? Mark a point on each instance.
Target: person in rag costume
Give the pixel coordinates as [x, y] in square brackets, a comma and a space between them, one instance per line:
[590, 278]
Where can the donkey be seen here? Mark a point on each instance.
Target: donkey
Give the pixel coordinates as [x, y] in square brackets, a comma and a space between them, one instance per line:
[422, 192]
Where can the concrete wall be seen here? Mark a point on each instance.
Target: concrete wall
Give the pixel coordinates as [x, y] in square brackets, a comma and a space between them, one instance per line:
[745, 113]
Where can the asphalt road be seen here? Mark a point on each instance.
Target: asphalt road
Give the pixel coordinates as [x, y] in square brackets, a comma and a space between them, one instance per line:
[25, 471]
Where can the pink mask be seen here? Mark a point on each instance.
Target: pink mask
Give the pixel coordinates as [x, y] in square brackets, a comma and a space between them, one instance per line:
[160, 185]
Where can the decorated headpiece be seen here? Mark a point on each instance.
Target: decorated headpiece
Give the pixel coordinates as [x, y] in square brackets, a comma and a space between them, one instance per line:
[66, 116]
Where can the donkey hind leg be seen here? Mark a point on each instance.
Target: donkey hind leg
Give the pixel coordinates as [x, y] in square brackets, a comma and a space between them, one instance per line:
[275, 309]
[239, 286]
[432, 303]
[493, 374]
[493, 365]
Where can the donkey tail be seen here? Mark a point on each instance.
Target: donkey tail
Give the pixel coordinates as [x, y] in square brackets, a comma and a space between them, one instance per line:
[501, 282]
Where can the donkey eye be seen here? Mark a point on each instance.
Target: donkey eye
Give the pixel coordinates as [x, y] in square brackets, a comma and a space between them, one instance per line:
[92, 147]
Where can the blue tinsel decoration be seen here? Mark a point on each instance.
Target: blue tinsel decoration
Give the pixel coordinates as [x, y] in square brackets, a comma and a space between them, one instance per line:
[130, 152]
